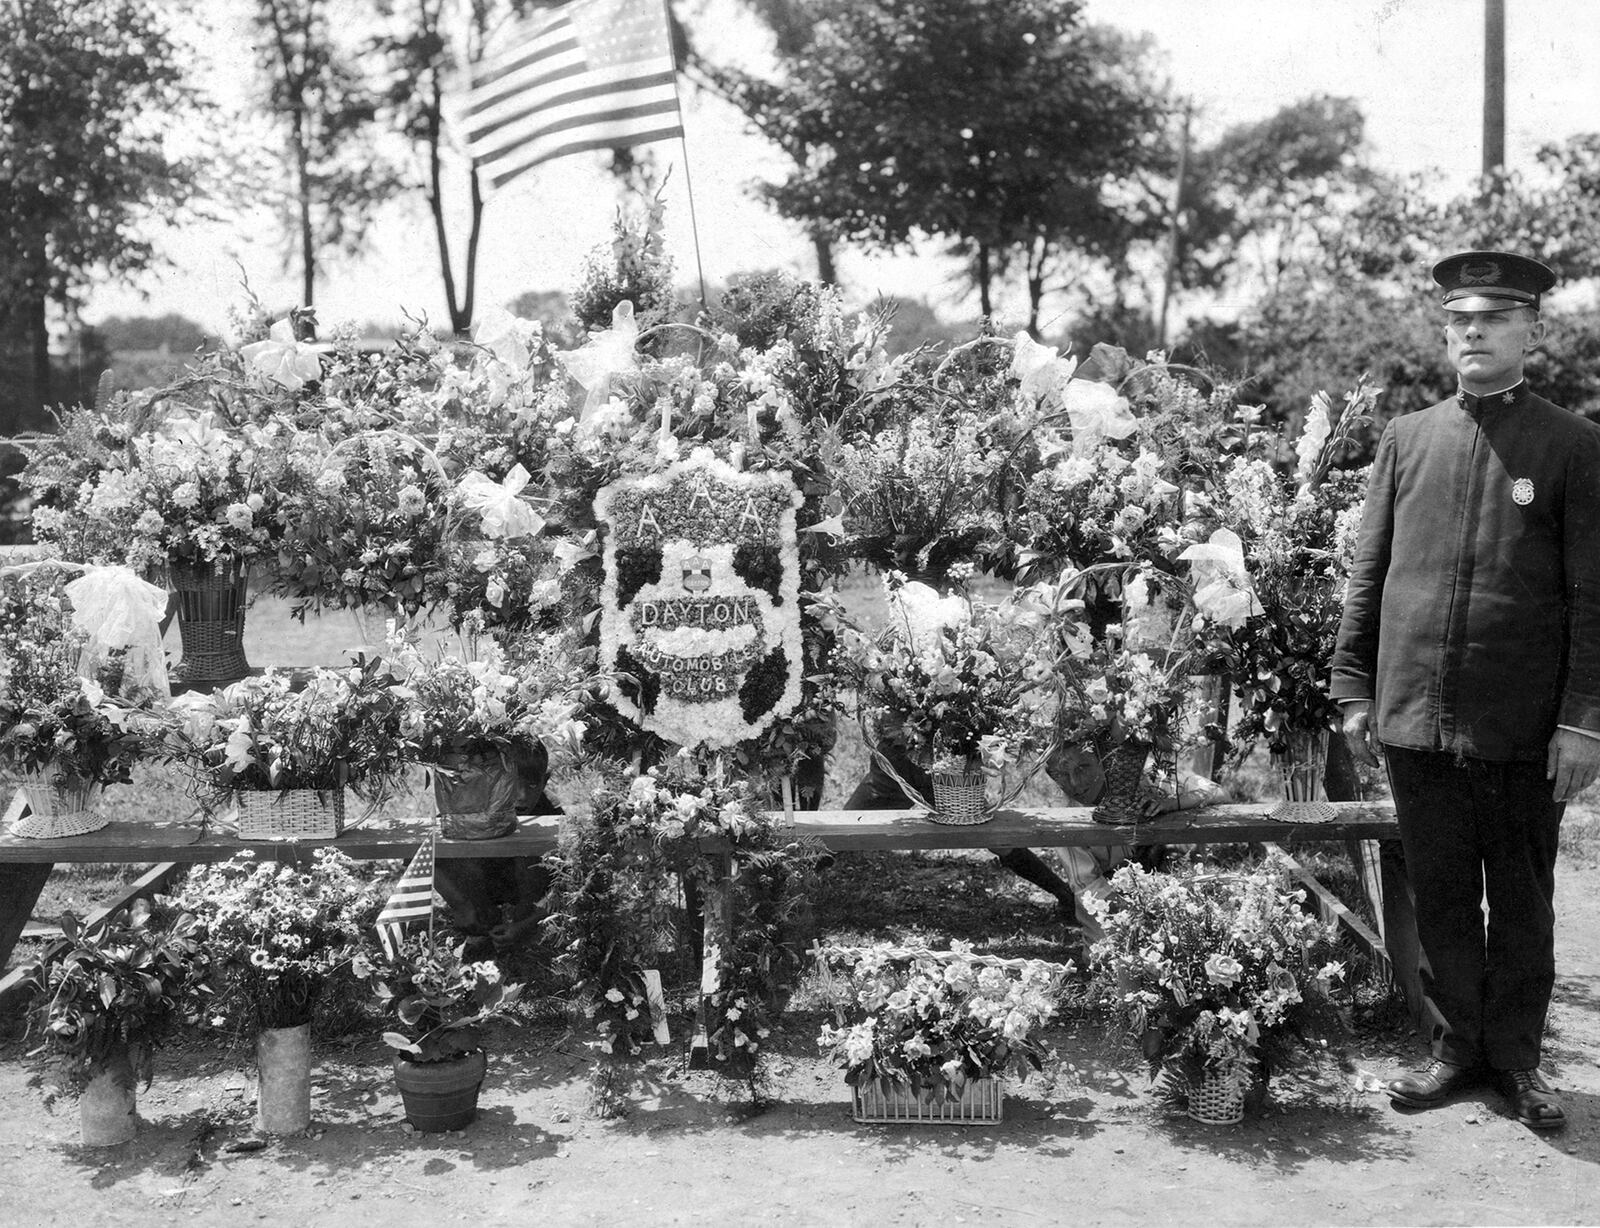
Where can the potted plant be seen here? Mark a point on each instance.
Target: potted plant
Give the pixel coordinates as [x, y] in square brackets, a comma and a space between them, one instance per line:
[440, 1000]
[284, 757]
[957, 685]
[105, 1000]
[1217, 973]
[277, 935]
[487, 723]
[1118, 701]
[931, 1035]
[59, 732]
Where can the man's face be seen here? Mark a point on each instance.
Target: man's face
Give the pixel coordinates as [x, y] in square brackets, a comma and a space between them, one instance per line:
[1488, 348]
[1078, 773]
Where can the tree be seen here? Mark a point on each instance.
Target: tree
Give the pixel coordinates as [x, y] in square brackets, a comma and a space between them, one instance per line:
[324, 111]
[1006, 126]
[86, 90]
[432, 44]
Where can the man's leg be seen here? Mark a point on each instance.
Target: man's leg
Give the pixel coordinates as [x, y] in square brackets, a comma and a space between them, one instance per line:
[1521, 830]
[1435, 805]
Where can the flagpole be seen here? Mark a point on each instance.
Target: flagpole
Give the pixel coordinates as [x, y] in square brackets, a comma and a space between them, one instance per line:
[683, 141]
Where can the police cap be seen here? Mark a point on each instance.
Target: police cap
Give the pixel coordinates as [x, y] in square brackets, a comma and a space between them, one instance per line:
[1491, 281]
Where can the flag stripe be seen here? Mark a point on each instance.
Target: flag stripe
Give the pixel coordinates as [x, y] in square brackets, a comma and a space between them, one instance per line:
[411, 898]
[627, 79]
[612, 138]
[595, 74]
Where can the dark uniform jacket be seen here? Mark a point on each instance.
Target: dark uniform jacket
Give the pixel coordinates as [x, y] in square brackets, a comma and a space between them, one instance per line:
[1472, 615]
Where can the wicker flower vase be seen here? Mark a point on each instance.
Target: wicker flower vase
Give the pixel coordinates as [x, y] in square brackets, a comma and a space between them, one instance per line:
[293, 814]
[1123, 765]
[1301, 769]
[59, 804]
[1218, 1098]
[958, 798]
[980, 1102]
[476, 794]
[211, 605]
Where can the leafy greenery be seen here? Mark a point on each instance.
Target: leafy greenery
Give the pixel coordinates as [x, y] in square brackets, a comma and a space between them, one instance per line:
[439, 998]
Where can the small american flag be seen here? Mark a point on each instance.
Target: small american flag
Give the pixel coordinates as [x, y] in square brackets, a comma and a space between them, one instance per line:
[592, 74]
[411, 898]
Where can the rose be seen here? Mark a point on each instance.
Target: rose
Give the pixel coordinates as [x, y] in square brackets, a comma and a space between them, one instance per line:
[1223, 970]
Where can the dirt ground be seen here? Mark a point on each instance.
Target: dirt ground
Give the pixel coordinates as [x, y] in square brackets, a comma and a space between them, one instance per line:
[1091, 1144]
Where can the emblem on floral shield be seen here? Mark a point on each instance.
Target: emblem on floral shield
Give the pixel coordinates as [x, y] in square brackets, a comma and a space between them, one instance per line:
[699, 608]
[1522, 492]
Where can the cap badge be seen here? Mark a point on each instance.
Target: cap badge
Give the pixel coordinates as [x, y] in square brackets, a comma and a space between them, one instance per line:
[1485, 274]
[1522, 492]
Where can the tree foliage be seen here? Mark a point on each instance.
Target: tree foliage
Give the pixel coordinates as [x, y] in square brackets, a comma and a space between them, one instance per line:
[86, 91]
[333, 176]
[1008, 127]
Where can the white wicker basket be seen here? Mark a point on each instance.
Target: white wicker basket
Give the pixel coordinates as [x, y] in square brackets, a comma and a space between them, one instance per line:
[294, 814]
[958, 799]
[981, 1102]
[58, 805]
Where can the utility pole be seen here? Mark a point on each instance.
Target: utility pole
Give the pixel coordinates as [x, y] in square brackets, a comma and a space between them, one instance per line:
[1174, 230]
[1494, 87]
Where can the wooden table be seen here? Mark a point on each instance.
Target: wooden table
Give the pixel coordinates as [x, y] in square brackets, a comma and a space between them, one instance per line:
[26, 864]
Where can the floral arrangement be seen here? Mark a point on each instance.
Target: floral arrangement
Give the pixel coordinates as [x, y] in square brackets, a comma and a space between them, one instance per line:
[1213, 969]
[343, 729]
[1270, 581]
[440, 999]
[956, 681]
[368, 522]
[935, 1020]
[682, 799]
[699, 610]
[48, 714]
[121, 981]
[454, 704]
[277, 932]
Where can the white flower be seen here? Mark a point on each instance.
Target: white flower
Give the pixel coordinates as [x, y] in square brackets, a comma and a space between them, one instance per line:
[239, 517]
[186, 495]
[613, 995]
[1222, 584]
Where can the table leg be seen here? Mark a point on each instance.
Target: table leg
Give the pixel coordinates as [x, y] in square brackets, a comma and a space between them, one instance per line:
[718, 937]
[20, 884]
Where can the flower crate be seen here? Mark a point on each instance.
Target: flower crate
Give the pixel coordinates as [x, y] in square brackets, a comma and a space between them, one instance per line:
[981, 1102]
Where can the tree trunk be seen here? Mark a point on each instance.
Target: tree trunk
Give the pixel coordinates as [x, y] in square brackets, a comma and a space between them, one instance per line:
[308, 242]
[985, 279]
[827, 272]
[24, 365]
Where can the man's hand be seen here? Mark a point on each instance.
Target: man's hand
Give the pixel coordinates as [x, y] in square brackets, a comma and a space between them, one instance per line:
[1572, 763]
[1358, 733]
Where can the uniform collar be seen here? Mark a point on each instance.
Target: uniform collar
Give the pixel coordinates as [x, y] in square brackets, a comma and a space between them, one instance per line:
[1506, 398]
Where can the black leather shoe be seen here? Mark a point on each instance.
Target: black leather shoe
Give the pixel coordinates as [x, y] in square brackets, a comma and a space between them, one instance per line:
[1433, 1084]
[1531, 1099]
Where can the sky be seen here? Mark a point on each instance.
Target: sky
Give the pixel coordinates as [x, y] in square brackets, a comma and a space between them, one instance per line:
[1413, 66]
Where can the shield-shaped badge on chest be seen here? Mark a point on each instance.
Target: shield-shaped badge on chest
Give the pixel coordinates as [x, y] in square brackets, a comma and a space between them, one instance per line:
[1522, 492]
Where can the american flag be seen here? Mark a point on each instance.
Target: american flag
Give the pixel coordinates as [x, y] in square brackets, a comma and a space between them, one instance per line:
[411, 898]
[592, 74]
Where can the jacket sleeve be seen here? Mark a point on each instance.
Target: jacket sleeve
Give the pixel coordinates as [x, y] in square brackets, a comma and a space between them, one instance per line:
[1580, 560]
[1355, 654]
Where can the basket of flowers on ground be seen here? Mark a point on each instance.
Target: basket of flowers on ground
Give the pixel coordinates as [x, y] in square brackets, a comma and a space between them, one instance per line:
[959, 688]
[284, 757]
[930, 1036]
[1217, 973]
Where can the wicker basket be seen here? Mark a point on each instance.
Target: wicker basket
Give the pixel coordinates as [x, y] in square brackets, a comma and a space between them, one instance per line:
[958, 799]
[294, 814]
[1218, 1100]
[211, 605]
[1301, 770]
[58, 805]
[1123, 799]
[981, 1102]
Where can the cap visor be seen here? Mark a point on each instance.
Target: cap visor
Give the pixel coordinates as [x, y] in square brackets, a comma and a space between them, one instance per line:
[1481, 302]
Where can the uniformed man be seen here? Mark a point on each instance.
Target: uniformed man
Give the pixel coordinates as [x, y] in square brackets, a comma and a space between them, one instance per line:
[1470, 649]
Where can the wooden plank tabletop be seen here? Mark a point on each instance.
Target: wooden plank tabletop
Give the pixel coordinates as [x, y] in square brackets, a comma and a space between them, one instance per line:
[378, 837]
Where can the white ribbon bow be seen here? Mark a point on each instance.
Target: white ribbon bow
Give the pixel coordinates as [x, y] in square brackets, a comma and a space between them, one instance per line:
[500, 503]
[1097, 412]
[282, 359]
[608, 353]
[116, 606]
